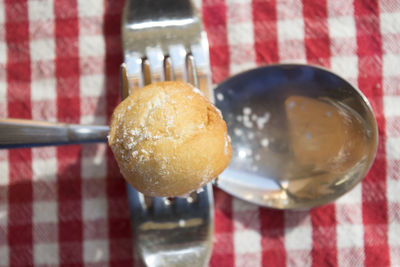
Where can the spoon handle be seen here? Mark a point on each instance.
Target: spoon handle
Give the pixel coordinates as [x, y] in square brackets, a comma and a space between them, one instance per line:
[16, 133]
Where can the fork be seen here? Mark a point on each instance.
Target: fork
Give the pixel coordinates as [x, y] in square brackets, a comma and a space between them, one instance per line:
[164, 40]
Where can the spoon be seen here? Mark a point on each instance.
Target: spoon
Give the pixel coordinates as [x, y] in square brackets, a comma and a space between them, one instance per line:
[301, 135]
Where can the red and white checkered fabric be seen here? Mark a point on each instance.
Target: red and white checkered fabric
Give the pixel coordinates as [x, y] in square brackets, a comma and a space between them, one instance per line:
[67, 206]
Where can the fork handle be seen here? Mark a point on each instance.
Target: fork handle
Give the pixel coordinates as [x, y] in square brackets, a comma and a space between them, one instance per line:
[16, 133]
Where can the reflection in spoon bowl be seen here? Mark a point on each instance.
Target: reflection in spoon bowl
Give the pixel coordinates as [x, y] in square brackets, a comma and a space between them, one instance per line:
[302, 136]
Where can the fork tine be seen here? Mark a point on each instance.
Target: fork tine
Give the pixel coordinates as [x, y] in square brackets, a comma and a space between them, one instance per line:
[168, 72]
[155, 57]
[177, 54]
[191, 71]
[124, 82]
[147, 79]
[133, 67]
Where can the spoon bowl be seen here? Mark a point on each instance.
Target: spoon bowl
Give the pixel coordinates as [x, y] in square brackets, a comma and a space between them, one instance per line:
[302, 136]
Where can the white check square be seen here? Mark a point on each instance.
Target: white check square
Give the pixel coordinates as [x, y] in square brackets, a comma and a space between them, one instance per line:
[3, 90]
[290, 29]
[394, 234]
[40, 10]
[90, 8]
[92, 85]
[247, 241]
[298, 238]
[95, 208]
[92, 45]
[45, 212]
[349, 236]
[3, 213]
[4, 173]
[393, 190]
[390, 22]
[4, 252]
[43, 89]
[94, 167]
[44, 169]
[3, 52]
[346, 66]
[42, 49]
[92, 119]
[2, 9]
[240, 33]
[197, 4]
[95, 251]
[342, 27]
[391, 105]
[46, 254]
[391, 63]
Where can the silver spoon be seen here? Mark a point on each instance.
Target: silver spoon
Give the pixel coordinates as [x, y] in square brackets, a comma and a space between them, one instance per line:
[302, 136]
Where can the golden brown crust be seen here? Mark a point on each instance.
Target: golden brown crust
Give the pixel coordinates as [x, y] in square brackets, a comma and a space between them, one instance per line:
[168, 139]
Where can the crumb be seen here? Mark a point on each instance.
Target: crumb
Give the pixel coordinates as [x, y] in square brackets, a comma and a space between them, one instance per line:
[265, 142]
[247, 111]
[238, 131]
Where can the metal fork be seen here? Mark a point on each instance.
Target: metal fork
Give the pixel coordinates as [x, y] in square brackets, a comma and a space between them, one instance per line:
[164, 40]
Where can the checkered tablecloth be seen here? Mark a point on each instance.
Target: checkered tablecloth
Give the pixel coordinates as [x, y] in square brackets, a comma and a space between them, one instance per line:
[67, 206]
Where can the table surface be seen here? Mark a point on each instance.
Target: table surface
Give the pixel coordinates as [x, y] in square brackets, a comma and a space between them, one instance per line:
[67, 206]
